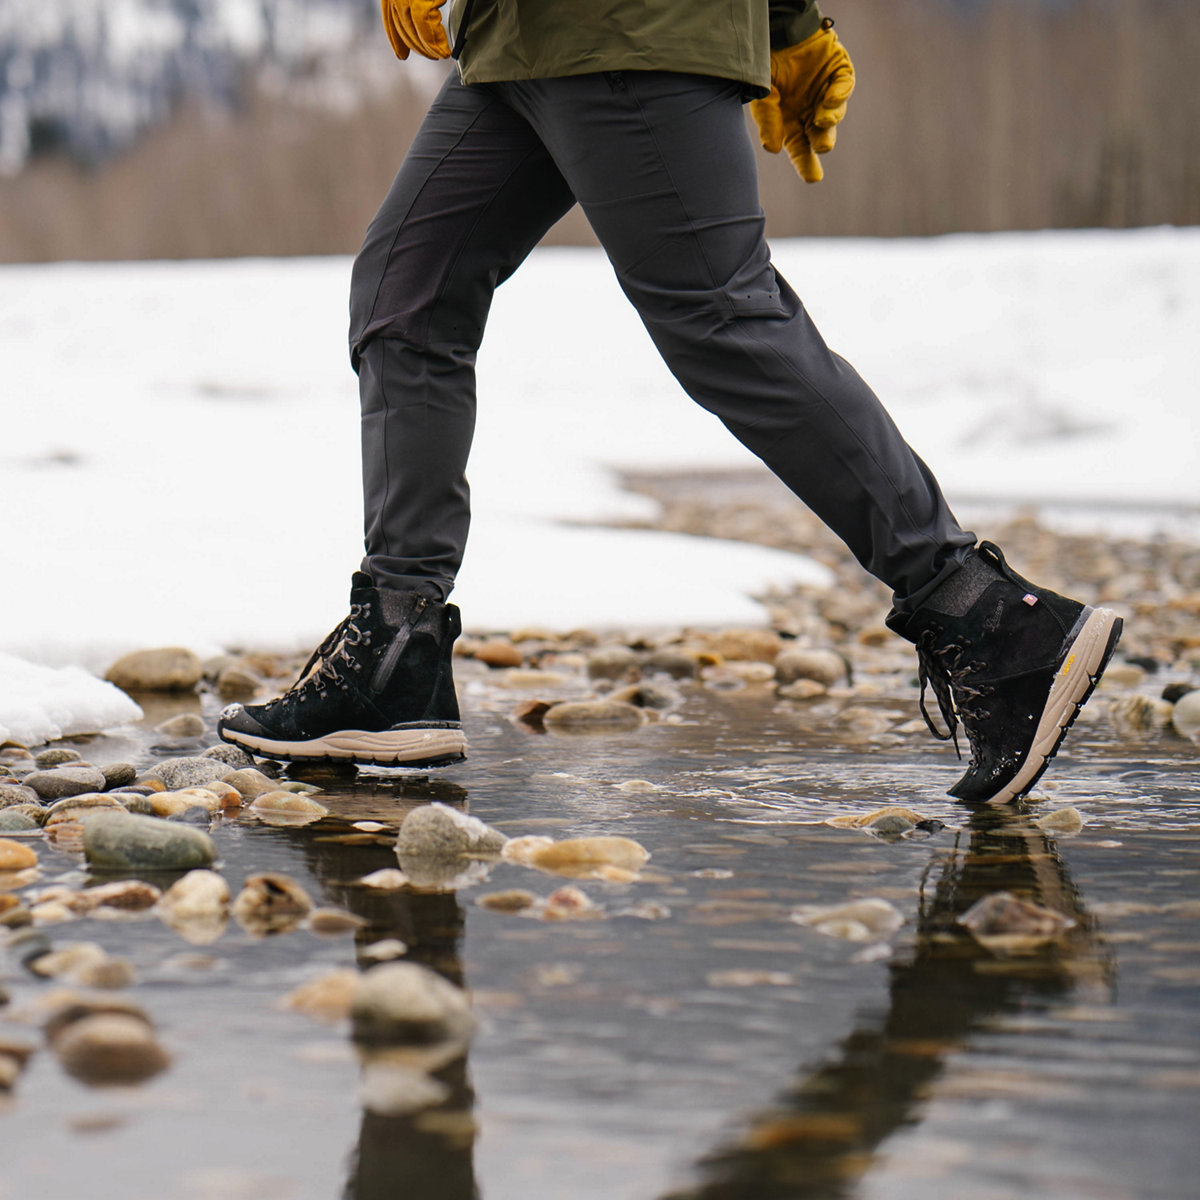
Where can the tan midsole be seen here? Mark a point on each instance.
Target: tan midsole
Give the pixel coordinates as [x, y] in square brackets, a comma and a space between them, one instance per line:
[385, 745]
[1071, 684]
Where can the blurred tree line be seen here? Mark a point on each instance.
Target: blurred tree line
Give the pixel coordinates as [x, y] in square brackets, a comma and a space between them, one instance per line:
[969, 115]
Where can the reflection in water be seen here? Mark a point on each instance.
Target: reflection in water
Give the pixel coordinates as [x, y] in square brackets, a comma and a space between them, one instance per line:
[821, 1136]
[428, 1154]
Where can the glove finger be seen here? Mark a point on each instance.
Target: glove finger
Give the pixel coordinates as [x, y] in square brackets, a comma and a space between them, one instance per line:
[398, 46]
[822, 140]
[831, 107]
[803, 159]
[768, 116]
[434, 43]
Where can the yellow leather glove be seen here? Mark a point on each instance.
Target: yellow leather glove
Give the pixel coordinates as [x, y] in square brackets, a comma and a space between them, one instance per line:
[415, 25]
[811, 83]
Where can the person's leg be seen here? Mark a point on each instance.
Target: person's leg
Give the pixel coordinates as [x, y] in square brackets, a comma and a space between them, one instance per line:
[663, 168]
[475, 194]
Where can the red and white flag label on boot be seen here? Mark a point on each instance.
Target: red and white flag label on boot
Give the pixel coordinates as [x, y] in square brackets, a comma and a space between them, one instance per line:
[1030, 599]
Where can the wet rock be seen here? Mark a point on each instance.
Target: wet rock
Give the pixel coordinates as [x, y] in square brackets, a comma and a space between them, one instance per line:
[1007, 925]
[745, 645]
[438, 831]
[251, 783]
[637, 785]
[824, 666]
[392, 1090]
[517, 678]
[742, 978]
[169, 669]
[118, 775]
[122, 841]
[184, 725]
[1123, 674]
[580, 858]
[498, 653]
[178, 773]
[196, 906]
[512, 900]
[233, 756]
[56, 756]
[672, 661]
[892, 818]
[408, 1004]
[58, 782]
[109, 973]
[646, 910]
[1064, 820]
[384, 950]
[532, 714]
[1174, 692]
[110, 1048]
[1185, 716]
[861, 723]
[15, 1052]
[75, 808]
[866, 920]
[227, 797]
[386, 879]
[67, 961]
[802, 689]
[12, 820]
[327, 998]
[593, 716]
[287, 808]
[329, 922]
[1138, 717]
[238, 681]
[271, 903]
[15, 793]
[647, 694]
[568, 903]
[16, 856]
[612, 662]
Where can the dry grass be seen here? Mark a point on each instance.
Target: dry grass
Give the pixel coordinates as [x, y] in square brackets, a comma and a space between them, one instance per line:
[1012, 115]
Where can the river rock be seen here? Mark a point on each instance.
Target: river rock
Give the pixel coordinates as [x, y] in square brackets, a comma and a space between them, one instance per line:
[233, 756]
[118, 775]
[196, 906]
[237, 681]
[56, 756]
[122, 841]
[672, 661]
[745, 645]
[287, 808]
[593, 716]
[16, 856]
[568, 903]
[58, 782]
[408, 1004]
[1185, 716]
[511, 900]
[75, 808]
[802, 689]
[16, 793]
[250, 782]
[581, 858]
[647, 694]
[13, 820]
[270, 903]
[66, 962]
[179, 773]
[1137, 717]
[1007, 925]
[866, 920]
[823, 666]
[327, 998]
[390, 1090]
[174, 804]
[122, 896]
[110, 1048]
[439, 831]
[170, 669]
[182, 725]
[1064, 820]
[498, 652]
[612, 662]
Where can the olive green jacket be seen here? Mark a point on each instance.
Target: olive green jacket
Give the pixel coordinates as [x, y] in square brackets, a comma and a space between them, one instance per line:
[539, 39]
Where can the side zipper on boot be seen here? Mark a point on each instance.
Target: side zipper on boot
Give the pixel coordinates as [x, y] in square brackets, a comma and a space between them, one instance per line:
[387, 664]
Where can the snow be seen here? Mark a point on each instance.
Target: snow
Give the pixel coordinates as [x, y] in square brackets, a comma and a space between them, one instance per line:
[180, 461]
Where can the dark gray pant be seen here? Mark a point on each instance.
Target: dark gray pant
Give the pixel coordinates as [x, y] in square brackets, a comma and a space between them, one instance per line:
[665, 173]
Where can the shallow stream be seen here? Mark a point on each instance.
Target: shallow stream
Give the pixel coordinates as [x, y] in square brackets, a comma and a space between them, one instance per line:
[693, 1040]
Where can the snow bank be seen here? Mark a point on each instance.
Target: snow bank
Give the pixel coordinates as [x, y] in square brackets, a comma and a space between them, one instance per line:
[180, 462]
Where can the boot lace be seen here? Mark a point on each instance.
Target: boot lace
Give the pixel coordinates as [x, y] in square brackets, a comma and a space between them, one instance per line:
[322, 668]
[945, 669]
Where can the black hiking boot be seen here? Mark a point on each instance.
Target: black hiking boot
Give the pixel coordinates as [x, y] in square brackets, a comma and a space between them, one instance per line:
[378, 689]
[1014, 662]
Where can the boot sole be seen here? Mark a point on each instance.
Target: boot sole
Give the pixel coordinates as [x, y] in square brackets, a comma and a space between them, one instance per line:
[1074, 682]
[414, 746]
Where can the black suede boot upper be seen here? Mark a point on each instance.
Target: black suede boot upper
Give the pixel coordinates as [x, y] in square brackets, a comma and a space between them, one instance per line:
[989, 643]
[387, 664]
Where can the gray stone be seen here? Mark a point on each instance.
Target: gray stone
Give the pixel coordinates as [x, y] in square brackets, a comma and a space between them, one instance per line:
[408, 1004]
[611, 662]
[171, 669]
[180, 773]
[33, 810]
[441, 832]
[184, 725]
[15, 793]
[56, 756]
[234, 756]
[122, 841]
[679, 664]
[117, 775]
[65, 781]
[110, 1048]
[12, 820]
